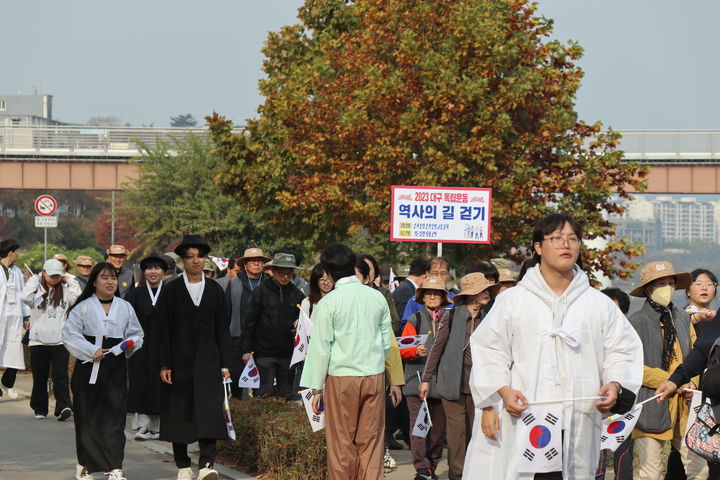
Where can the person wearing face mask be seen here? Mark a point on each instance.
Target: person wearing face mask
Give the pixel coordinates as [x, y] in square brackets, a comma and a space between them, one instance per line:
[450, 359]
[667, 336]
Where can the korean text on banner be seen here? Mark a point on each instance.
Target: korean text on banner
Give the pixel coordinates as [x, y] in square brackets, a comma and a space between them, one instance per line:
[440, 214]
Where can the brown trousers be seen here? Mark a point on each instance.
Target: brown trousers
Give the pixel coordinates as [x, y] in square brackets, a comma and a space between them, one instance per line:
[354, 427]
[427, 452]
[459, 417]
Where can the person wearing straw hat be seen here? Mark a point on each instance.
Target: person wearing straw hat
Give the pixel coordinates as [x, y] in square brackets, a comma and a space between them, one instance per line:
[83, 264]
[427, 452]
[667, 336]
[238, 291]
[117, 256]
[506, 279]
[450, 359]
[194, 359]
[269, 326]
[553, 339]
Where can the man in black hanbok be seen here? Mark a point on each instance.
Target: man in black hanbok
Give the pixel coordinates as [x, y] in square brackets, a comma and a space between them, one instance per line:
[195, 351]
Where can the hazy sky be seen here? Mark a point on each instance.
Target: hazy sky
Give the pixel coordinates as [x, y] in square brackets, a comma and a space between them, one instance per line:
[648, 63]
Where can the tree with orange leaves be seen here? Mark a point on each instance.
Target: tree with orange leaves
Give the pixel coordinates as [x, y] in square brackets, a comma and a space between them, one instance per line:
[363, 95]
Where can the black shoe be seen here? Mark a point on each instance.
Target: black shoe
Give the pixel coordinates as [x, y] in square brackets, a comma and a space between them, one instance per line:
[423, 474]
[65, 414]
[393, 444]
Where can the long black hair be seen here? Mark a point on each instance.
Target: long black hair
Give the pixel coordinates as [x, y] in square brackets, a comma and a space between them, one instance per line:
[547, 225]
[315, 275]
[89, 289]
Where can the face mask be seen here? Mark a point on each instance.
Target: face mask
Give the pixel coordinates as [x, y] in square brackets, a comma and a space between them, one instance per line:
[663, 295]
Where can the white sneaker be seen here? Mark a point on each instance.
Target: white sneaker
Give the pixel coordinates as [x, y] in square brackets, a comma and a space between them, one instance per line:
[40, 417]
[185, 474]
[154, 435]
[65, 414]
[116, 475]
[82, 474]
[389, 463]
[143, 434]
[12, 393]
[208, 473]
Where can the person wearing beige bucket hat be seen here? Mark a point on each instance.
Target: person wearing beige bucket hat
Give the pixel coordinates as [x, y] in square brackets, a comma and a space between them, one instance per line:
[667, 335]
[450, 361]
[240, 289]
[117, 256]
[553, 339]
[427, 452]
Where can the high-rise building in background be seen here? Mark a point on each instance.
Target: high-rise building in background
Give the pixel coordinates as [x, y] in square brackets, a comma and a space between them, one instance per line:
[26, 110]
[686, 220]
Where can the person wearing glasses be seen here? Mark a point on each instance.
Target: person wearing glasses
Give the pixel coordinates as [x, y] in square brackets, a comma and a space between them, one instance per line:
[701, 293]
[552, 337]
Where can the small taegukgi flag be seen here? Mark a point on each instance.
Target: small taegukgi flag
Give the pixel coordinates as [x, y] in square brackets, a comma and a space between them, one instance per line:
[392, 283]
[539, 439]
[422, 422]
[411, 341]
[695, 405]
[249, 378]
[301, 341]
[317, 421]
[226, 407]
[618, 428]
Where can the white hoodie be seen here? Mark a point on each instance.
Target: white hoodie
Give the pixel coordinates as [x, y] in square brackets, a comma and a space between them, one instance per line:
[46, 324]
[549, 347]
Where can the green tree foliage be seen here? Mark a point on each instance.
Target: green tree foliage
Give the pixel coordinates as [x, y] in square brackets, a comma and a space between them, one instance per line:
[185, 120]
[33, 255]
[175, 194]
[363, 95]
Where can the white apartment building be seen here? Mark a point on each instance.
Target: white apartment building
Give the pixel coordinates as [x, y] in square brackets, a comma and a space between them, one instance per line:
[686, 219]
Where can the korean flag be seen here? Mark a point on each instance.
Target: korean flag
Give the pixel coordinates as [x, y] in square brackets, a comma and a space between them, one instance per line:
[249, 378]
[301, 341]
[411, 341]
[422, 422]
[317, 422]
[618, 428]
[539, 439]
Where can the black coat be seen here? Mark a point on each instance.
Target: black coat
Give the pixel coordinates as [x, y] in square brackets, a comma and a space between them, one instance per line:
[270, 319]
[195, 345]
[144, 365]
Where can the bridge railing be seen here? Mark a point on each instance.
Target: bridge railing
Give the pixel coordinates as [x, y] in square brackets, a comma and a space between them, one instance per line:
[671, 146]
[90, 141]
[58, 141]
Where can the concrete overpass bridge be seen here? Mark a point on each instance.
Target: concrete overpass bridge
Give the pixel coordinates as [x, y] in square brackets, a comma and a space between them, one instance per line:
[96, 158]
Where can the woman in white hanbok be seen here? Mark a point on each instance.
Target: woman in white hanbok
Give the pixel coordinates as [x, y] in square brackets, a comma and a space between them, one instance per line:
[101, 331]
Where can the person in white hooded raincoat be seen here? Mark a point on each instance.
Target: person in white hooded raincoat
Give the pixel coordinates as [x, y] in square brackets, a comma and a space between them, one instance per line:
[551, 337]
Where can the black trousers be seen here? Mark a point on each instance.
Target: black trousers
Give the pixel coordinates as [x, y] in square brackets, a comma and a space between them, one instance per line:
[623, 459]
[273, 369]
[208, 450]
[43, 360]
[8, 377]
[548, 476]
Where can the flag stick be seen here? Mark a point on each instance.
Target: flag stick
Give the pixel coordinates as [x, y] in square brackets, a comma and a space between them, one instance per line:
[618, 415]
[562, 400]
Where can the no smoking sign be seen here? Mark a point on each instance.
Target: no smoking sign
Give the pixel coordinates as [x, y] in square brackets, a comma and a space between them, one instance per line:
[45, 205]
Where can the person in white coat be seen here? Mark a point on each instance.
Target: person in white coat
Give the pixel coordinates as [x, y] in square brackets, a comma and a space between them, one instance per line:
[552, 337]
[49, 294]
[13, 317]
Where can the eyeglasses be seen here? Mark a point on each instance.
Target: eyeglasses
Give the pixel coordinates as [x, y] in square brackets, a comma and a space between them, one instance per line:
[325, 280]
[704, 284]
[560, 242]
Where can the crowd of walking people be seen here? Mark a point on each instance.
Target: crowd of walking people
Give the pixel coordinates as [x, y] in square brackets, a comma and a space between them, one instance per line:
[487, 352]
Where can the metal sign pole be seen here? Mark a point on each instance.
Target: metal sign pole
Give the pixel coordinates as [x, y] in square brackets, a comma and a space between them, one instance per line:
[45, 259]
[439, 250]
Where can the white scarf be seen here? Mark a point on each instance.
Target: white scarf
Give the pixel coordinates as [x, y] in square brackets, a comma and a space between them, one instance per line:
[153, 298]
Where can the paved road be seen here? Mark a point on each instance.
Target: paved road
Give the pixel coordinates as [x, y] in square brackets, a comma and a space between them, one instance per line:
[45, 449]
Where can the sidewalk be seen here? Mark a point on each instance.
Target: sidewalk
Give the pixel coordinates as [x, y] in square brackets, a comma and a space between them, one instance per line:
[40, 449]
[44, 449]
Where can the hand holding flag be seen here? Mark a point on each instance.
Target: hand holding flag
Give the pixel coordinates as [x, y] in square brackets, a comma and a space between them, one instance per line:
[411, 341]
[301, 341]
[249, 378]
[317, 420]
[226, 407]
